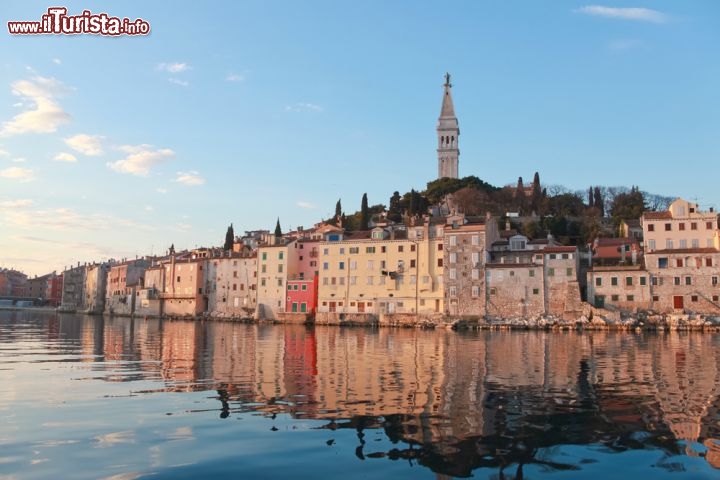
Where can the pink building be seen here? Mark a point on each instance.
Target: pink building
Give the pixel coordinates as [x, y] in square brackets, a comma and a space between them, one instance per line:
[53, 292]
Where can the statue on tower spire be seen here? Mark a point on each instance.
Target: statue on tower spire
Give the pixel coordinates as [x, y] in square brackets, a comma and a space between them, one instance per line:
[447, 79]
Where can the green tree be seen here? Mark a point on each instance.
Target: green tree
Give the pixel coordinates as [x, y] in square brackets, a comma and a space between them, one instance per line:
[278, 230]
[536, 198]
[627, 206]
[229, 238]
[338, 209]
[598, 201]
[364, 213]
[395, 210]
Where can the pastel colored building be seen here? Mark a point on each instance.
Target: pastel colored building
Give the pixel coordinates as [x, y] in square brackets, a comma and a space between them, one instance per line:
[123, 283]
[682, 226]
[302, 296]
[183, 292]
[274, 264]
[232, 287]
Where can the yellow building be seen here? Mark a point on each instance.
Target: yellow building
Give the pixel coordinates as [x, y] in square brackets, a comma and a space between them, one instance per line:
[682, 226]
[276, 259]
[381, 272]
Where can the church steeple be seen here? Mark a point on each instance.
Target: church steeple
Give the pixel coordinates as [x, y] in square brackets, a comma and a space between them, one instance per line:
[448, 133]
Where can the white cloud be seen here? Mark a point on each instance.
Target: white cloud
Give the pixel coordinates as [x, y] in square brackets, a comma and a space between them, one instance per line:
[191, 178]
[161, 190]
[4, 153]
[44, 115]
[633, 13]
[299, 107]
[19, 203]
[235, 77]
[17, 173]
[56, 61]
[140, 159]
[149, 208]
[65, 157]
[173, 67]
[624, 44]
[90, 145]
[177, 81]
[19, 160]
[302, 204]
[65, 219]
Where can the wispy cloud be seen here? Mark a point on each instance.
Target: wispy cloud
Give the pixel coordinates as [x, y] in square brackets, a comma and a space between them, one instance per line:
[624, 13]
[176, 67]
[17, 173]
[235, 77]
[140, 159]
[65, 157]
[90, 145]
[4, 153]
[65, 219]
[19, 160]
[177, 81]
[624, 44]
[161, 190]
[191, 178]
[44, 114]
[56, 61]
[308, 205]
[299, 107]
[19, 203]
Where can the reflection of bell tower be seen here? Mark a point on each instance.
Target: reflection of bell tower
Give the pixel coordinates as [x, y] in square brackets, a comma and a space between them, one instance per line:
[448, 133]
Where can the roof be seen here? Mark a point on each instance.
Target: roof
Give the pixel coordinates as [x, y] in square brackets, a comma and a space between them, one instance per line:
[611, 241]
[468, 227]
[684, 250]
[559, 249]
[447, 110]
[657, 215]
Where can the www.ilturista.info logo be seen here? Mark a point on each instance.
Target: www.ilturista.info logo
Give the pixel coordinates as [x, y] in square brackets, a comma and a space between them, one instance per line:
[58, 22]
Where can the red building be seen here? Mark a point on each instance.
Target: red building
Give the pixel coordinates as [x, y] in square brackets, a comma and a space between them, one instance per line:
[302, 295]
[616, 251]
[53, 292]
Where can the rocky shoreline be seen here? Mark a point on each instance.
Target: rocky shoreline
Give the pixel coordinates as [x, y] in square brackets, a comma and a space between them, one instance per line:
[591, 320]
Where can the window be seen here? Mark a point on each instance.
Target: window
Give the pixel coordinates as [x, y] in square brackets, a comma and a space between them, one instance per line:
[715, 298]
[643, 281]
[688, 280]
[369, 249]
[695, 243]
[668, 227]
[613, 281]
[440, 246]
[353, 265]
[326, 280]
[412, 247]
[656, 298]
[493, 290]
[440, 262]
[326, 265]
[264, 256]
[476, 274]
[326, 251]
[262, 282]
[413, 279]
[383, 249]
[475, 291]
[629, 281]
[295, 287]
[630, 298]
[400, 248]
[341, 265]
[289, 287]
[676, 280]
[708, 225]
[453, 240]
[235, 274]
[475, 240]
[614, 298]
[370, 265]
[281, 255]
[453, 274]
[178, 279]
[412, 263]
[662, 262]
[551, 272]
[679, 262]
[693, 225]
[453, 291]
[681, 226]
[714, 281]
[651, 244]
[453, 257]
[280, 268]
[668, 244]
[569, 272]
[683, 243]
[708, 262]
[353, 280]
[369, 280]
[598, 281]
[693, 298]
[280, 282]
[651, 227]
[531, 273]
[536, 291]
[354, 250]
[341, 280]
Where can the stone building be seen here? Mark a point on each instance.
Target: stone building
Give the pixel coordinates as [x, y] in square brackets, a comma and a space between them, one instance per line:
[124, 282]
[232, 289]
[621, 287]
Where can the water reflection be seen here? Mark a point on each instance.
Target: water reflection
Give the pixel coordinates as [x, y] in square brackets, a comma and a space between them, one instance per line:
[452, 402]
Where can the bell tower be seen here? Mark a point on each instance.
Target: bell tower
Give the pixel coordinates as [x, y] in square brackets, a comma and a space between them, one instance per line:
[447, 133]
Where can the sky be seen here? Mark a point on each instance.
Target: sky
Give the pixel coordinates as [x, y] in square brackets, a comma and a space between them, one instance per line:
[244, 112]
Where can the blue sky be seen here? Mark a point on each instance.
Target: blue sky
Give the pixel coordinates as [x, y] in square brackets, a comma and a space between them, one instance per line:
[247, 111]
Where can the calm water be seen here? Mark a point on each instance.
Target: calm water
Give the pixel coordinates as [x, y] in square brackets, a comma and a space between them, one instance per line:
[89, 397]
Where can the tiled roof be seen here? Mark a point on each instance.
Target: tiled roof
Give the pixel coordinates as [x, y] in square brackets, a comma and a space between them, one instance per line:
[683, 250]
[657, 215]
[559, 249]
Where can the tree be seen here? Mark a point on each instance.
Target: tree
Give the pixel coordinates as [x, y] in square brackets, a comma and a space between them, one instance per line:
[536, 199]
[591, 199]
[364, 213]
[278, 230]
[395, 212]
[229, 238]
[520, 195]
[471, 201]
[627, 206]
[598, 201]
[338, 210]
